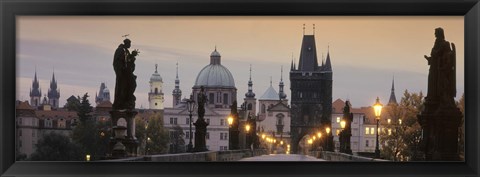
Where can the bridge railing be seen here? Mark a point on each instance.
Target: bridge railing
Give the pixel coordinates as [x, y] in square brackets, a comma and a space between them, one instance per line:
[337, 156]
[208, 156]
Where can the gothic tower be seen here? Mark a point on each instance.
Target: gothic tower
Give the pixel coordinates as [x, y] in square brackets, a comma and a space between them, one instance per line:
[311, 99]
[155, 96]
[177, 93]
[35, 92]
[53, 93]
[103, 94]
[250, 100]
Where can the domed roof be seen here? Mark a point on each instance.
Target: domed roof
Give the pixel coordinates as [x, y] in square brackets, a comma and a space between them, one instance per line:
[106, 90]
[215, 75]
[155, 76]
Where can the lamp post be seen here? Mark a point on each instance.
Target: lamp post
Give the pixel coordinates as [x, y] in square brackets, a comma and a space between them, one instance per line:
[327, 130]
[247, 135]
[191, 108]
[341, 136]
[230, 132]
[377, 107]
[146, 135]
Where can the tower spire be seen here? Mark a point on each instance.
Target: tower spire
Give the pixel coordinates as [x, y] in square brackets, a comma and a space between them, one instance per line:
[328, 64]
[270, 80]
[281, 94]
[393, 99]
[250, 93]
[177, 71]
[156, 68]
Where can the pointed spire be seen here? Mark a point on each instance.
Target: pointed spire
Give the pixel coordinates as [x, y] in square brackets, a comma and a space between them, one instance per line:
[250, 93]
[393, 98]
[281, 94]
[328, 64]
[156, 68]
[281, 73]
[250, 78]
[176, 77]
[270, 80]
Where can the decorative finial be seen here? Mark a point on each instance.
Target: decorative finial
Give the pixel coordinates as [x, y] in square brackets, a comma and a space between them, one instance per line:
[156, 66]
[270, 80]
[215, 47]
[304, 29]
[314, 29]
[328, 47]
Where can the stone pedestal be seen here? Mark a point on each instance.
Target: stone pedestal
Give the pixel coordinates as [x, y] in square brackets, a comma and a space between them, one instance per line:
[440, 133]
[127, 145]
[200, 133]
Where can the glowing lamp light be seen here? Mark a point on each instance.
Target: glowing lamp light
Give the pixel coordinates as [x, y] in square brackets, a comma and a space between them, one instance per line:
[87, 157]
[247, 127]
[263, 136]
[343, 124]
[327, 130]
[377, 107]
[230, 120]
[319, 135]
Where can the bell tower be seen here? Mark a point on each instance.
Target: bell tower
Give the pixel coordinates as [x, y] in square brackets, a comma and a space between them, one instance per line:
[155, 96]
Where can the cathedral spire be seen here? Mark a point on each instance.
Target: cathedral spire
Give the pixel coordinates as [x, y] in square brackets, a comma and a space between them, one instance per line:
[393, 99]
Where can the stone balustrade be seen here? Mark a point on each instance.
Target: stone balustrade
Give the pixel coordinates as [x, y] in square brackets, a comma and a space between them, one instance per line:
[208, 156]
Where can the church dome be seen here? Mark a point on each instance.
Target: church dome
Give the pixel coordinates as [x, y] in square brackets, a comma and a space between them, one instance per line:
[106, 90]
[215, 74]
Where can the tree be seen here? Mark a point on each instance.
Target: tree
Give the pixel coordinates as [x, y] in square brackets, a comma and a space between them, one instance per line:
[140, 133]
[56, 147]
[401, 139]
[88, 133]
[158, 135]
[461, 130]
[177, 140]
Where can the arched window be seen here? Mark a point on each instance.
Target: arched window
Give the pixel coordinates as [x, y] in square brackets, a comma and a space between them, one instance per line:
[156, 90]
[263, 108]
[249, 107]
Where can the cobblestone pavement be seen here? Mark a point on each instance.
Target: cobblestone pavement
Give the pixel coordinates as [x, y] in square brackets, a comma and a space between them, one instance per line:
[282, 157]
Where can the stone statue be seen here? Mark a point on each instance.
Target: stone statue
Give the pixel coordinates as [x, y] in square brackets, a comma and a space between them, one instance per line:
[125, 82]
[201, 100]
[441, 78]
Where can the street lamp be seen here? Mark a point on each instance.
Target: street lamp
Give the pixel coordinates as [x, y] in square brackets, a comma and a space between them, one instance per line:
[377, 107]
[230, 120]
[247, 128]
[327, 130]
[191, 108]
[87, 157]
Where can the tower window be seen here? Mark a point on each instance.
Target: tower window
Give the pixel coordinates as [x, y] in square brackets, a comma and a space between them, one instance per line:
[249, 107]
[155, 104]
[225, 98]
[156, 90]
[211, 98]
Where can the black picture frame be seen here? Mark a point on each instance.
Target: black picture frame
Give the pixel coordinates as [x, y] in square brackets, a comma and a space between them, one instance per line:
[9, 9]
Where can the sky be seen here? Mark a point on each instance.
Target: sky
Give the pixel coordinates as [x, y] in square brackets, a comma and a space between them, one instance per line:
[366, 52]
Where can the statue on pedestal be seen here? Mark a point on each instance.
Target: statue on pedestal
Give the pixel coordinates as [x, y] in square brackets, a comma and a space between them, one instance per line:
[200, 124]
[440, 118]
